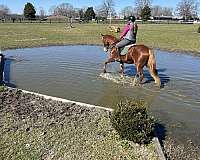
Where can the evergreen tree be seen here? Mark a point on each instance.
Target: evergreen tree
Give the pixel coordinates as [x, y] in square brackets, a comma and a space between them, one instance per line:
[146, 13]
[89, 14]
[29, 11]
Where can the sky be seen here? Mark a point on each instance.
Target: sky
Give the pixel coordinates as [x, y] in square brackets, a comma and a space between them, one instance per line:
[16, 6]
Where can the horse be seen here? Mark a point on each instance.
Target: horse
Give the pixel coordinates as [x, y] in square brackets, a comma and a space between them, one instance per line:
[140, 55]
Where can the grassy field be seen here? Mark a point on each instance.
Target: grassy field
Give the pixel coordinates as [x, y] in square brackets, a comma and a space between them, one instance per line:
[173, 37]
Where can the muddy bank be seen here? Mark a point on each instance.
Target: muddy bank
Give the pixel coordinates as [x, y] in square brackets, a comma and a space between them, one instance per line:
[32, 127]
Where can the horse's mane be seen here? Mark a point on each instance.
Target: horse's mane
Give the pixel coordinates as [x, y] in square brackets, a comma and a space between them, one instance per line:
[112, 38]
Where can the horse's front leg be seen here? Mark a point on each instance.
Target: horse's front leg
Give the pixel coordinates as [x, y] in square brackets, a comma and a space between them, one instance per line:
[121, 68]
[110, 60]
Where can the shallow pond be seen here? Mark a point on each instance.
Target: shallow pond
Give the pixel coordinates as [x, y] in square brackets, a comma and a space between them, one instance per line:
[75, 73]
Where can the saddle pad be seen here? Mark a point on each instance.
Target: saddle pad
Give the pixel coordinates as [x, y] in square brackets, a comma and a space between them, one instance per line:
[125, 49]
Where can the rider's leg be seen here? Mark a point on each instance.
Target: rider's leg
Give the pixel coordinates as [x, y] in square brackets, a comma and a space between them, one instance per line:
[122, 44]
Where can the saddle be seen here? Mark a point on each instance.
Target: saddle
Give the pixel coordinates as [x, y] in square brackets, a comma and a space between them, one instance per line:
[124, 51]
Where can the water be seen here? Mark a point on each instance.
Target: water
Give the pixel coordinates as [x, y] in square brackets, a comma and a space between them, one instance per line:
[75, 73]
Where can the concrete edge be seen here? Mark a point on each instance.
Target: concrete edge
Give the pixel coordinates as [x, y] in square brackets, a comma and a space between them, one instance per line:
[67, 101]
[155, 140]
[159, 150]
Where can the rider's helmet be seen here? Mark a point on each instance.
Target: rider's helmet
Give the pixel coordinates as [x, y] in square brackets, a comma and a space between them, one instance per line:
[131, 18]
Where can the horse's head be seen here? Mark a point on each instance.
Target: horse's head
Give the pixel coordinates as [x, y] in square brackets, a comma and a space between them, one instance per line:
[108, 41]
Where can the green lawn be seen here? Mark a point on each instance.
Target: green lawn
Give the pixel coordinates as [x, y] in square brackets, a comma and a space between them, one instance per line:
[174, 37]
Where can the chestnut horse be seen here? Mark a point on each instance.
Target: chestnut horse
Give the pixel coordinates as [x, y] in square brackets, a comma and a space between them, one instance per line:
[140, 55]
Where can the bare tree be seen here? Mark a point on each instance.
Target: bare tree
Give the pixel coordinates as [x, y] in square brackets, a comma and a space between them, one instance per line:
[106, 8]
[64, 9]
[128, 11]
[4, 10]
[159, 11]
[166, 11]
[140, 4]
[52, 10]
[187, 9]
[42, 12]
[156, 11]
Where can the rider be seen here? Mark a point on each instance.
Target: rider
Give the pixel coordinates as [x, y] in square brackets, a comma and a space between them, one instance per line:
[128, 36]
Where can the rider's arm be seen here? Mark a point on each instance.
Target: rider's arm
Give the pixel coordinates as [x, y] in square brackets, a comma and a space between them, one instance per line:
[135, 28]
[125, 30]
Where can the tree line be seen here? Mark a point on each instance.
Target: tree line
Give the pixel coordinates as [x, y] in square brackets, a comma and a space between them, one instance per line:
[142, 9]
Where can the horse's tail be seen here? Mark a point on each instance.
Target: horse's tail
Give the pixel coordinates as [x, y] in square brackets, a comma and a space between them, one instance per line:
[151, 64]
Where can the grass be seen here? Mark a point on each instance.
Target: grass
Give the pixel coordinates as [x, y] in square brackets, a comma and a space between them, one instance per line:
[35, 128]
[90, 139]
[173, 37]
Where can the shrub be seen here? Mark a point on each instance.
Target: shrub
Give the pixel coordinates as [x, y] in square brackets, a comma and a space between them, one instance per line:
[198, 30]
[2, 88]
[132, 122]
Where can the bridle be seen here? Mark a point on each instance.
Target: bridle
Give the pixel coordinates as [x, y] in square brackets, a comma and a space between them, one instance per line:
[108, 47]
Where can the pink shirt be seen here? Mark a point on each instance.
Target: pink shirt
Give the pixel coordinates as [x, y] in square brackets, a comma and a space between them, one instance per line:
[129, 26]
[126, 29]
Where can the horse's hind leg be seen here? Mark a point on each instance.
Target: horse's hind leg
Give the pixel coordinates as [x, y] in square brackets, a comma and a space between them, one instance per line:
[135, 79]
[105, 64]
[140, 73]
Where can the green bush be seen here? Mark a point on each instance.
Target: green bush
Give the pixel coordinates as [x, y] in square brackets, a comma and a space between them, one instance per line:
[2, 88]
[198, 30]
[132, 122]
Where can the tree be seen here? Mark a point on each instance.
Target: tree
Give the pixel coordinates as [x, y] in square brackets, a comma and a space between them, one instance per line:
[159, 11]
[187, 9]
[128, 11]
[146, 13]
[52, 10]
[167, 11]
[89, 14]
[140, 4]
[4, 10]
[106, 8]
[42, 12]
[29, 11]
[64, 9]
[156, 11]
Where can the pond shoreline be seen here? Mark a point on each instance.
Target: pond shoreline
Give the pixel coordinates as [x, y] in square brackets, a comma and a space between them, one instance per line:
[179, 51]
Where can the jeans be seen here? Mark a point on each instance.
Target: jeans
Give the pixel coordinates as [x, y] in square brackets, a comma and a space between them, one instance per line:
[124, 42]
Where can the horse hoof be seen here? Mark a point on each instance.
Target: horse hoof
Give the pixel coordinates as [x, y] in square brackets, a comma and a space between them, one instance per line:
[104, 71]
[140, 84]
